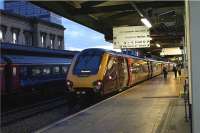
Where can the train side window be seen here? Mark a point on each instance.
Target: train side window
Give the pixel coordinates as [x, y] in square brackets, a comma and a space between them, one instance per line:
[24, 71]
[46, 70]
[135, 68]
[35, 71]
[56, 70]
[145, 67]
[64, 69]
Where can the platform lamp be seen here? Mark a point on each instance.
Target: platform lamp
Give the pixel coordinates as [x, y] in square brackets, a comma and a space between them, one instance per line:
[146, 22]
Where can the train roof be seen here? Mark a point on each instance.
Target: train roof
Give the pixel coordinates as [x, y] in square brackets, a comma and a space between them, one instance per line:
[34, 60]
[100, 50]
[9, 48]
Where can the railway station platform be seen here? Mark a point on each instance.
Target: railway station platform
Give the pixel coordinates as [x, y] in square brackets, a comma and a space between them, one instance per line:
[154, 106]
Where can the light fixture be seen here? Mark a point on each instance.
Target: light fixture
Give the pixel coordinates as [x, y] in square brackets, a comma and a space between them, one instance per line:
[146, 22]
[158, 45]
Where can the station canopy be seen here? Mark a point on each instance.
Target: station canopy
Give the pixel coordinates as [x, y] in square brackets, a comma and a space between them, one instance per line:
[166, 17]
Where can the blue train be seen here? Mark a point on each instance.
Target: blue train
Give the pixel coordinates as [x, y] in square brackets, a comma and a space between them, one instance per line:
[25, 69]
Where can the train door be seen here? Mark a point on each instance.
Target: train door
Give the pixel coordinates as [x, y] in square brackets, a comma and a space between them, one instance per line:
[111, 77]
[151, 69]
[123, 72]
[136, 70]
[2, 78]
[145, 70]
[131, 72]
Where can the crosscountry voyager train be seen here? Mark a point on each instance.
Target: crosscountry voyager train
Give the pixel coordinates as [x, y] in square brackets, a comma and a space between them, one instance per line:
[101, 72]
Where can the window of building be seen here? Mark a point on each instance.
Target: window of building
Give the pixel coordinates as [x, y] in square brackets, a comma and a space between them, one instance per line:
[52, 41]
[14, 38]
[2, 33]
[59, 42]
[15, 35]
[28, 38]
[43, 39]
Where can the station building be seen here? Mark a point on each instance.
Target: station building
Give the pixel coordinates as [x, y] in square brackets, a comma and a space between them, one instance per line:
[30, 31]
[28, 9]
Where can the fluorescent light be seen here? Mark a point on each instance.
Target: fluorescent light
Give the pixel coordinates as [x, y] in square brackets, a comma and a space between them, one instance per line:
[158, 45]
[146, 22]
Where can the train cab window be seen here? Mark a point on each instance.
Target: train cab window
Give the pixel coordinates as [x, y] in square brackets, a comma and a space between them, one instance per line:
[111, 66]
[87, 63]
[110, 63]
[35, 71]
[56, 70]
[46, 71]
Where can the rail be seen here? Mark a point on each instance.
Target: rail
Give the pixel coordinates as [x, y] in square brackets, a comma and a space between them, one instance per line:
[28, 111]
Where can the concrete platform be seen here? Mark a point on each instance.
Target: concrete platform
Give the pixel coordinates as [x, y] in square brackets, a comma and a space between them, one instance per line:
[150, 107]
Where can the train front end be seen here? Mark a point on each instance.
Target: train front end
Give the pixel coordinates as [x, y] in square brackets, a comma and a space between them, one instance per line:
[87, 71]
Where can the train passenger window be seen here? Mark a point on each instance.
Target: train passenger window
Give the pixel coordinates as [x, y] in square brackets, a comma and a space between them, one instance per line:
[24, 71]
[46, 71]
[135, 68]
[35, 71]
[56, 70]
[64, 69]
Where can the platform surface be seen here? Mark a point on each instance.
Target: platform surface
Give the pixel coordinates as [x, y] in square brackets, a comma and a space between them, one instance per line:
[141, 109]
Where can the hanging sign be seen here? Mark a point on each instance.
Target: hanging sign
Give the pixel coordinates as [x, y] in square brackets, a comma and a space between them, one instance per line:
[131, 37]
[171, 51]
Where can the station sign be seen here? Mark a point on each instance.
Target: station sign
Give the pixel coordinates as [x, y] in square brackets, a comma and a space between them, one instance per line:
[171, 51]
[131, 37]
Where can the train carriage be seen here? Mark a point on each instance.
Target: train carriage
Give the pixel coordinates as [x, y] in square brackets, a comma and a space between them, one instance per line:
[30, 72]
[101, 72]
[2, 75]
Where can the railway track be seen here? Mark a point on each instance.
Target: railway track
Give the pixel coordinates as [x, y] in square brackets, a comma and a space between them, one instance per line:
[28, 111]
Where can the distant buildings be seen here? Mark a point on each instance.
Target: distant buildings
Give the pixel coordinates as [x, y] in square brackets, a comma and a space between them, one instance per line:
[25, 8]
[30, 31]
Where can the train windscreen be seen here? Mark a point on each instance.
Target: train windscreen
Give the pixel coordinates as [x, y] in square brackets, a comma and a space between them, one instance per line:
[87, 63]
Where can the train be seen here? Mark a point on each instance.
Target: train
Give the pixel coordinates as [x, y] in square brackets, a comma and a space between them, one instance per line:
[100, 72]
[25, 69]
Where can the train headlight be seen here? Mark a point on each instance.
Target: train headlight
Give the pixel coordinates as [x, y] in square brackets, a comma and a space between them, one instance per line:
[97, 86]
[69, 85]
